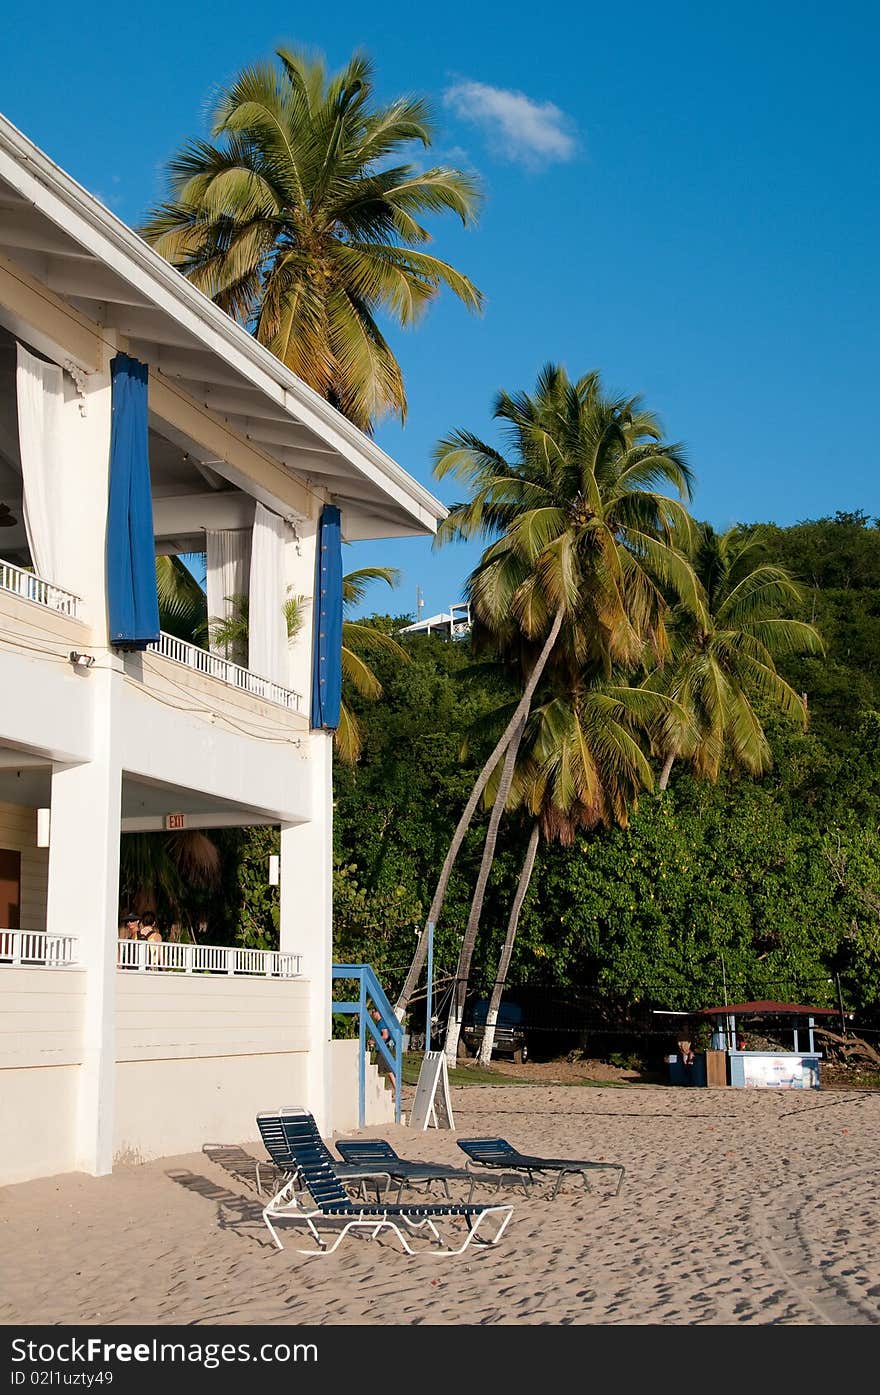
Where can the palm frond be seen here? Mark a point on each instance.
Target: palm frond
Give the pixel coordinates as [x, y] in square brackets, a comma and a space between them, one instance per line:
[356, 583]
[348, 739]
[183, 605]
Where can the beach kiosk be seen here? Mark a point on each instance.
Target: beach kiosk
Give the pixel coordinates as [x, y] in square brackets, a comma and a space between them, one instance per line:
[768, 1068]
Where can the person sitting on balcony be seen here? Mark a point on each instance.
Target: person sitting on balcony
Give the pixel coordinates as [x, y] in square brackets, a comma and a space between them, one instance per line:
[150, 931]
[129, 926]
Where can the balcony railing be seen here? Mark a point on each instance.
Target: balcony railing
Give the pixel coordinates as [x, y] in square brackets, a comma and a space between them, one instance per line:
[34, 948]
[179, 651]
[175, 956]
[29, 948]
[33, 588]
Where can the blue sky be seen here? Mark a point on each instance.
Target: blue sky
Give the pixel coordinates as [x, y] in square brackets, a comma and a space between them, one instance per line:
[683, 196]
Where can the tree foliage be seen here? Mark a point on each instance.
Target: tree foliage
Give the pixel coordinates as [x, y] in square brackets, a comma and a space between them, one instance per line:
[770, 884]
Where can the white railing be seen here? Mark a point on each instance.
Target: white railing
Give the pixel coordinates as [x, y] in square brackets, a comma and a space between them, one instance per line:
[215, 666]
[33, 588]
[175, 956]
[24, 948]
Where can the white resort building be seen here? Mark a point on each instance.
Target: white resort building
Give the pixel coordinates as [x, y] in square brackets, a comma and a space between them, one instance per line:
[454, 623]
[136, 420]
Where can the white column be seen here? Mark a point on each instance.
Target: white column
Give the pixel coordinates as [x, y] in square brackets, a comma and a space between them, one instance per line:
[87, 457]
[83, 887]
[306, 918]
[301, 581]
[83, 900]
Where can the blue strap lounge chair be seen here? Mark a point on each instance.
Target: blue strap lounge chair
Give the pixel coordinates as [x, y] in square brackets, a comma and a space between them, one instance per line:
[497, 1152]
[317, 1175]
[283, 1163]
[378, 1152]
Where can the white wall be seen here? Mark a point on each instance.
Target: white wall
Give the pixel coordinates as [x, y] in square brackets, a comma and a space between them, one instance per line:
[41, 1024]
[46, 706]
[190, 731]
[41, 1017]
[162, 1016]
[177, 1106]
[38, 1109]
[199, 1056]
[378, 1099]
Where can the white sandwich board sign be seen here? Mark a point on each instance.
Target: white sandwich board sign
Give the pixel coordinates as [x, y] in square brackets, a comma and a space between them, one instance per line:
[432, 1104]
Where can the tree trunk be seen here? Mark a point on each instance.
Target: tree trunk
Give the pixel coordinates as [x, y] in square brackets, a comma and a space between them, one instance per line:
[464, 823]
[667, 770]
[525, 877]
[522, 710]
[466, 953]
[850, 1046]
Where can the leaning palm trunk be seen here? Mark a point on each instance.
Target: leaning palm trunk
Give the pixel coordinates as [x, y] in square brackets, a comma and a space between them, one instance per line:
[466, 953]
[464, 823]
[522, 711]
[666, 771]
[525, 877]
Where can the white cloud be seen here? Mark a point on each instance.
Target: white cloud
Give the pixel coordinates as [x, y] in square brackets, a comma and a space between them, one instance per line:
[535, 133]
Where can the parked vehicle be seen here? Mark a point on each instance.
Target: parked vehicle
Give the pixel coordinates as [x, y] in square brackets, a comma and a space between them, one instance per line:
[510, 1032]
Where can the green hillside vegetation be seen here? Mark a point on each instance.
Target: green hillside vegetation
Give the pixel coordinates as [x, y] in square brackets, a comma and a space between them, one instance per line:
[779, 875]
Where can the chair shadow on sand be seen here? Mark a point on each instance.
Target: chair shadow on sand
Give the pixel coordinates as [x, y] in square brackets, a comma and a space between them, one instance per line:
[235, 1211]
[235, 1160]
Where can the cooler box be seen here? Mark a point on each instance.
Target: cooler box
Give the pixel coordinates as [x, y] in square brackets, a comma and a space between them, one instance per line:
[680, 1074]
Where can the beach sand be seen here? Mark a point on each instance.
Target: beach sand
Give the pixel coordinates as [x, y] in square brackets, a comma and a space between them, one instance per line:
[737, 1207]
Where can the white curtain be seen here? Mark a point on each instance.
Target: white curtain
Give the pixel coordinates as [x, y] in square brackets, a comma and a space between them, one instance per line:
[227, 573]
[267, 633]
[40, 393]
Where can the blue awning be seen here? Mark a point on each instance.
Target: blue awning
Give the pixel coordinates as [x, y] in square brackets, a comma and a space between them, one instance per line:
[131, 553]
[327, 646]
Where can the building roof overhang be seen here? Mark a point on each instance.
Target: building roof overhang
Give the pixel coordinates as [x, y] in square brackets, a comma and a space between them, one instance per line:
[63, 237]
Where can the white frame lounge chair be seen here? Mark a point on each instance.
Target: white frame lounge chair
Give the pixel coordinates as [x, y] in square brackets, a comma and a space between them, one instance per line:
[317, 1175]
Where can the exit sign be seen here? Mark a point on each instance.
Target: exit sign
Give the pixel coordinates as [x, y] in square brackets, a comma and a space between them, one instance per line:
[175, 820]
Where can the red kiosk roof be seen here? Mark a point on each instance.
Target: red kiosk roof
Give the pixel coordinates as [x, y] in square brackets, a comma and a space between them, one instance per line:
[764, 1008]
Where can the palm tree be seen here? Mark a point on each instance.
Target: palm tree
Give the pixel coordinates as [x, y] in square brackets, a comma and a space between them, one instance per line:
[583, 768]
[302, 219]
[725, 660]
[582, 544]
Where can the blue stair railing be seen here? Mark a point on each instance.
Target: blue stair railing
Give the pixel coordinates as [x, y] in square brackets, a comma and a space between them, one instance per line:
[371, 995]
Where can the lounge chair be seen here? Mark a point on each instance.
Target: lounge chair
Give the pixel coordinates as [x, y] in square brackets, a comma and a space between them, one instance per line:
[316, 1173]
[284, 1165]
[497, 1152]
[378, 1152]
